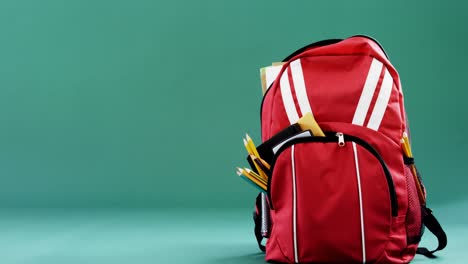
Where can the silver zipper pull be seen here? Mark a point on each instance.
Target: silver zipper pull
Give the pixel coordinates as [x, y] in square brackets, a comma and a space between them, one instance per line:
[341, 141]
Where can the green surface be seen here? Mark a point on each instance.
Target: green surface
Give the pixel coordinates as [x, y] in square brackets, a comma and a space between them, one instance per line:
[204, 236]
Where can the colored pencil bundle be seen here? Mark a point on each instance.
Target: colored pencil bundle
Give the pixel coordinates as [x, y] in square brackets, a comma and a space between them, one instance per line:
[260, 170]
[260, 179]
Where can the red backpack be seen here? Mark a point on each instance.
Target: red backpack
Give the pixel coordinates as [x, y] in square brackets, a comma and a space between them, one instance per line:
[352, 195]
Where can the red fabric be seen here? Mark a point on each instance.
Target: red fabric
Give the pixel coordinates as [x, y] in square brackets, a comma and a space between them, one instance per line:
[374, 98]
[280, 245]
[328, 214]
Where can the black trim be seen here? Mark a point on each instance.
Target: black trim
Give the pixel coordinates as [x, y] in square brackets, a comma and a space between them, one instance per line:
[376, 42]
[266, 148]
[408, 161]
[320, 43]
[331, 137]
[430, 221]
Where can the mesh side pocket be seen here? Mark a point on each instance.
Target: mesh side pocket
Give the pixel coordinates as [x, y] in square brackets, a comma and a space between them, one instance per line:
[414, 213]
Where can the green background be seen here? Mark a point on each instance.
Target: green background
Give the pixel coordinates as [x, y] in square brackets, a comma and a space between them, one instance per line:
[143, 104]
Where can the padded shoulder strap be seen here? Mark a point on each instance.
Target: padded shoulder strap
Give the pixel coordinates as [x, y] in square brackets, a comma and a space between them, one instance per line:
[257, 217]
[433, 225]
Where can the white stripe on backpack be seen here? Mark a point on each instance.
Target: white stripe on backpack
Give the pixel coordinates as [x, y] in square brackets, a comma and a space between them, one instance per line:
[367, 92]
[300, 90]
[382, 102]
[299, 86]
[288, 100]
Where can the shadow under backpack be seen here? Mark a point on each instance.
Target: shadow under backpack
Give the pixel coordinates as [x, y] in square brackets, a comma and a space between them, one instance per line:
[351, 196]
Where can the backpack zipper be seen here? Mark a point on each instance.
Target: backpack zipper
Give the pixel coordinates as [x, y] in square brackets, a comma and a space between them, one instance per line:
[341, 138]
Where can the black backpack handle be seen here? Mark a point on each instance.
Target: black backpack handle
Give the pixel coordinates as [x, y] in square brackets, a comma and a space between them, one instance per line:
[328, 42]
[313, 45]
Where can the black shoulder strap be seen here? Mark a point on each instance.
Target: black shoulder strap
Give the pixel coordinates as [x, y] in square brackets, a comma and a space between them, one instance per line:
[433, 225]
[258, 233]
[257, 217]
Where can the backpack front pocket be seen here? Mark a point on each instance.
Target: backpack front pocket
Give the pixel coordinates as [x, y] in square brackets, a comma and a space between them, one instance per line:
[333, 196]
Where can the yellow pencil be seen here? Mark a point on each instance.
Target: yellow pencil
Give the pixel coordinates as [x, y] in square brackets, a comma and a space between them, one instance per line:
[418, 184]
[253, 179]
[404, 147]
[255, 152]
[247, 147]
[260, 167]
[260, 170]
[264, 163]
[256, 176]
[405, 137]
[252, 145]
[241, 174]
